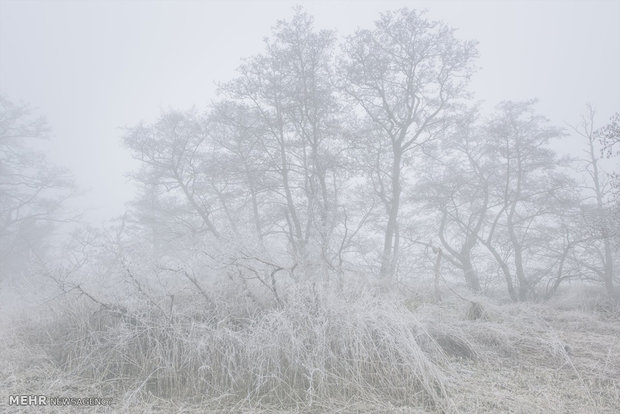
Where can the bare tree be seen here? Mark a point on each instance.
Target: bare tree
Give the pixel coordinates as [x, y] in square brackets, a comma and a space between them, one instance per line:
[290, 88]
[405, 75]
[455, 186]
[32, 190]
[597, 208]
[175, 166]
[610, 136]
[237, 131]
[531, 194]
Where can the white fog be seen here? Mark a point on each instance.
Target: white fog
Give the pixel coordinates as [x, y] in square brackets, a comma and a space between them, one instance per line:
[310, 206]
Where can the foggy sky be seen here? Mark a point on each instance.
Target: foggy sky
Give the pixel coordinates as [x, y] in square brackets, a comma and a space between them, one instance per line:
[93, 67]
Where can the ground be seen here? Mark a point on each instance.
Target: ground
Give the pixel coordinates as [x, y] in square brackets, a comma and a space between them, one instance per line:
[516, 358]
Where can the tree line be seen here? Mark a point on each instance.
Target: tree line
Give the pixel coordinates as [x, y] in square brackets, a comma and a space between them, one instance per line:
[334, 158]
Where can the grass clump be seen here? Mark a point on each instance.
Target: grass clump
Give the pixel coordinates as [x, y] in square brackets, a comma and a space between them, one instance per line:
[321, 351]
[311, 353]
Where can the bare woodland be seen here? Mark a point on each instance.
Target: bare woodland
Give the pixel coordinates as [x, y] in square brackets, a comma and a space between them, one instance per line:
[343, 230]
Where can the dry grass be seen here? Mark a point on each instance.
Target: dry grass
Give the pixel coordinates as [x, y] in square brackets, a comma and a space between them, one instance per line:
[321, 352]
[534, 358]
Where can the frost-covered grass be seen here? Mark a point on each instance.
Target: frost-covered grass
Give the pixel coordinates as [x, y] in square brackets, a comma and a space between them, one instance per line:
[322, 352]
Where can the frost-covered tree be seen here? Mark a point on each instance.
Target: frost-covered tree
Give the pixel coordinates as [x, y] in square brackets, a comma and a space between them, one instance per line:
[32, 190]
[599, 229]
[289, 90]
[238, 134]
[610, 136]
[406, 75]
[531, 193]
[175, 170]
[454, 185]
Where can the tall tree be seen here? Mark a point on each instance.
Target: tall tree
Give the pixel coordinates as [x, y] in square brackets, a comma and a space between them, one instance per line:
[238, 132]
[597, 208]
[406, 75]
[531, 193]
[454, 185]
[32, 190]
[175, 157]
[290, 87]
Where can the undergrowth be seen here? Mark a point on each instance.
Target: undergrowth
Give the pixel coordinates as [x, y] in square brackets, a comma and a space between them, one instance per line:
[315, 351]
[311, 350]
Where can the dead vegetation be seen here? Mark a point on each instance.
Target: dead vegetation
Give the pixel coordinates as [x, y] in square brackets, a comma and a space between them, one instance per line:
[321, 352]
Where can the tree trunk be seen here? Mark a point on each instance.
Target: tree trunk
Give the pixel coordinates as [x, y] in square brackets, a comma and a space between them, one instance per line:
[437, 268]
[471, 277]
[505, 271]
[524, 285]
[608, 265]
[609, 269]
[390, 241]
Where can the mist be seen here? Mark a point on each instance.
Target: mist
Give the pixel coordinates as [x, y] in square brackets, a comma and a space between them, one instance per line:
[310, 206]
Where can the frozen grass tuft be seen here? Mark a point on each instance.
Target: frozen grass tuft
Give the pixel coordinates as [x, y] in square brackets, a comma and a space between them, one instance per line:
[312, 351]
[318, 351]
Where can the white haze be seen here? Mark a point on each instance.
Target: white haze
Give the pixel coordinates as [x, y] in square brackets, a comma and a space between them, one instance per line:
[401, 218]
[92, 67]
